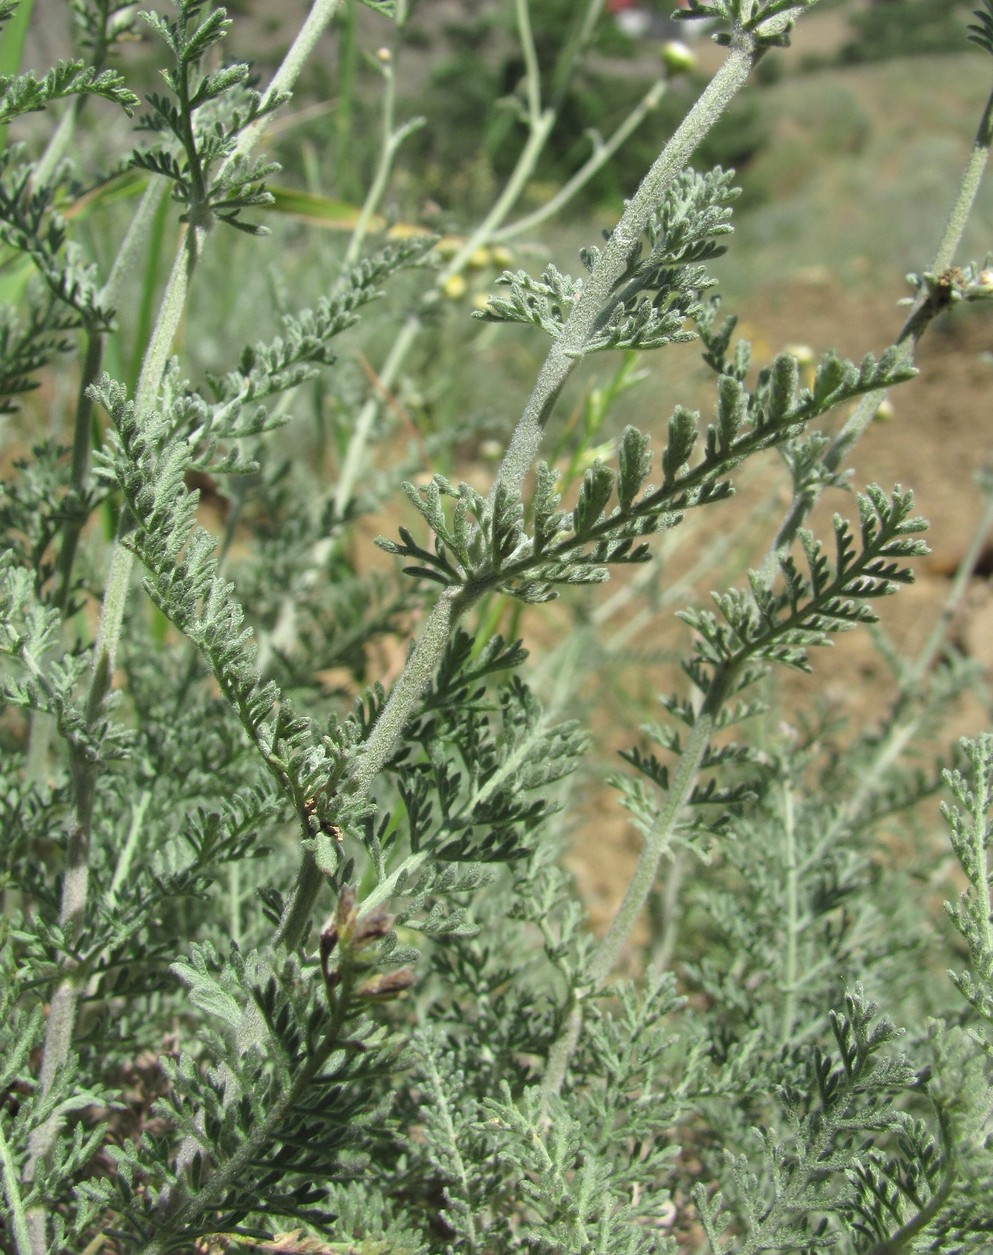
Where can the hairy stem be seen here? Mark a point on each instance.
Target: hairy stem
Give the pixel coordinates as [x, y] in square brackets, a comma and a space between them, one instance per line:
[968, 189]
[560, 361]
[61, 1021]
[382, 743]
[598, 289]
[656, 845]
[489, 231]
[558, 364]
[287, 74]
[18, 1219]
[792, 923]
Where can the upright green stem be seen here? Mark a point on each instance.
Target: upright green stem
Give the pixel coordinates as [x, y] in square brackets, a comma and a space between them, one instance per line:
[490, 230]
[532, 74]
[598, 289]
[603, 150]
[972, 177]
[383, 742]
[391, 141]
[62, 1016]
[317, 21]
[146, 398]
[343, 121]
[792, 917]
[19, 1230]
[656, 845]
[575, 46]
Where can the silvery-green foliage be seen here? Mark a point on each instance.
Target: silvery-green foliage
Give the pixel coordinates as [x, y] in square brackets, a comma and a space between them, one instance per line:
[659, 288]
[289, 956]
[204, 117]
[25, 93]
[483, 546]
[748, 15]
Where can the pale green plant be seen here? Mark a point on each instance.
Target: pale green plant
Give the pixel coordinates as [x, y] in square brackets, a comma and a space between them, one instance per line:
[189, 1058]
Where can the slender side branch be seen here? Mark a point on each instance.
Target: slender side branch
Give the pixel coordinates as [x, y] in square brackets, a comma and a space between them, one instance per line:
[489, 231]
[603, 150]
[390, 143]
[656, 843]
[922, 312]
[561, 359]
[532, 74]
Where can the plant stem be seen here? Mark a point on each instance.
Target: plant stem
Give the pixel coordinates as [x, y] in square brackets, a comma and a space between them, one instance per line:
[570, 346]
[343, 119]
[12, 1192]
[382, 743]
[900, 1241]
[792, 917]
[603, 150]
[656, 844]
[532, 74]
[177, 1216]
[968, 189]
[489, 231]
[146, 397]
[392, 137]
[562, 357]
[288, 72]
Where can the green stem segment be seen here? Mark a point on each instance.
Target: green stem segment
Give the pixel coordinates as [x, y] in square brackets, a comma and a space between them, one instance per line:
[17, 1216]
[490, 231]
[598, 289]
[657, 843]
[379, 748]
